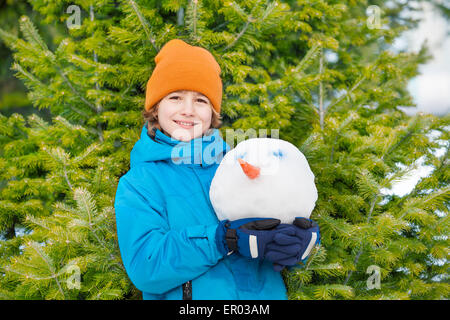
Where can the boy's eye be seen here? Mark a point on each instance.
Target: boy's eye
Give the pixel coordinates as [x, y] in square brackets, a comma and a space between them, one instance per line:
[176, 97]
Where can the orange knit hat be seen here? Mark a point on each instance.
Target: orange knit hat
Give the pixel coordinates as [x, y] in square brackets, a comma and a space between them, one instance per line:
[180, 66]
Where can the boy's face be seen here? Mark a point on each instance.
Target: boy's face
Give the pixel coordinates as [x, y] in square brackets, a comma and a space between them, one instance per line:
[185, 115]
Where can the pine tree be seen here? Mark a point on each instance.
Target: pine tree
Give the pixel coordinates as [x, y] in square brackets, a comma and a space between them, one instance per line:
[66, 240]
[58, 179]
[358, 158]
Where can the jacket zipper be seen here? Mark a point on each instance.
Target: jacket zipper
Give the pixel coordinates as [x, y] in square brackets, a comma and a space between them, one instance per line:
[227, 263]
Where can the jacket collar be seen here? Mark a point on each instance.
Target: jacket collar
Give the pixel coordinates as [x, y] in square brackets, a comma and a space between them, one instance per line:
[203, 151]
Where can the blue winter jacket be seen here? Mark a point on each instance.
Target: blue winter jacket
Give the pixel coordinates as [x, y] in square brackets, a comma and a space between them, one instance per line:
[166, 225]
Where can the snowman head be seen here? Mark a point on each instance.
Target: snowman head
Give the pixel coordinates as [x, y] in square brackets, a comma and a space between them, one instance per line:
[263, 177]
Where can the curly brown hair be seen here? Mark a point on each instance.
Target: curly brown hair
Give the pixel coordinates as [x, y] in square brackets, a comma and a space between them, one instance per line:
[152, 117]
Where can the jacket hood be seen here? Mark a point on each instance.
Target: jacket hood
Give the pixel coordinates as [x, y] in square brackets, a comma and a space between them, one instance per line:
[203, 151]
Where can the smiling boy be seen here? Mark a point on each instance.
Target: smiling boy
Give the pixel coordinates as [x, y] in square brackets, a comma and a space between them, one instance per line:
[171, 243]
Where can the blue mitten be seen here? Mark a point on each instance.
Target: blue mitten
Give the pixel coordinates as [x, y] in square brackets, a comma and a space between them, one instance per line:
[303, 232]
[250, 237]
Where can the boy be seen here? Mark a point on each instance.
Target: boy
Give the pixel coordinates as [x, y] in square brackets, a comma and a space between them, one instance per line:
[171, 242]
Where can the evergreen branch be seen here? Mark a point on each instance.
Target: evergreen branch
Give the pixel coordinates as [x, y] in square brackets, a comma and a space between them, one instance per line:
[429, 201]
[35, 277]
[97, 131]
[91, 148]
[32, 35]
[143, 22]
[342, 126]
[216, 28]
[49, 262]
[372, 206]
[247, 23]
[369, 216]
[35, 120]
[22, 263]
[61, 158]
[309, 147]
[85, 203]
[8, 38]
[43, 256]
[331, 269]
[67, 124]
[358, 255]
[250, 19]
[367, 184]
[98, 106]
[238, 9]
[409, 132]
[338, 100]
[63, 207]
[124, 92]
[74, 90]
[6, 295]
[324, 291]
[311, 258]
[399, 176]
[444, 160]
[331, 266]
[67, 178]
[269, 8]
[84, 61]
[321, 91]
[35, 82]
[416, 189]
[194, 15]
[308, 58]
[38, 222]
[348, 93]
[27, 275]
[27, 75]
[336, 226]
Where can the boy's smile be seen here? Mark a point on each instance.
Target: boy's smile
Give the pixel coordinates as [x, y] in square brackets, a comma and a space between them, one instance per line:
[185, 124]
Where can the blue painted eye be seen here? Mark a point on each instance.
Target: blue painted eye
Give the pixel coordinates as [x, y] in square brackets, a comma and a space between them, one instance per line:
[241, 156]
[278, 153]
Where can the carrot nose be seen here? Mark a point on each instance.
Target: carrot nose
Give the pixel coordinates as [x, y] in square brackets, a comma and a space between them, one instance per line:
[250, 171]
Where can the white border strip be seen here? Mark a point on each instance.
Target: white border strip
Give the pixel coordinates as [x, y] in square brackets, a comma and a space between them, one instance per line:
[310, 245]
[253, 244]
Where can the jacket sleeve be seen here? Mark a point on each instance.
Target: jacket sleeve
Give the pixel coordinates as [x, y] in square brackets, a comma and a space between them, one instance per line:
[156, 258]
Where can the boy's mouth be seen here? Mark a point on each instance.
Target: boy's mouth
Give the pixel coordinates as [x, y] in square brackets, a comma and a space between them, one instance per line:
[185, 124]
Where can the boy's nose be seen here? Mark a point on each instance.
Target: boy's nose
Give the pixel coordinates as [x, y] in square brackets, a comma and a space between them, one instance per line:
[188, 107]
